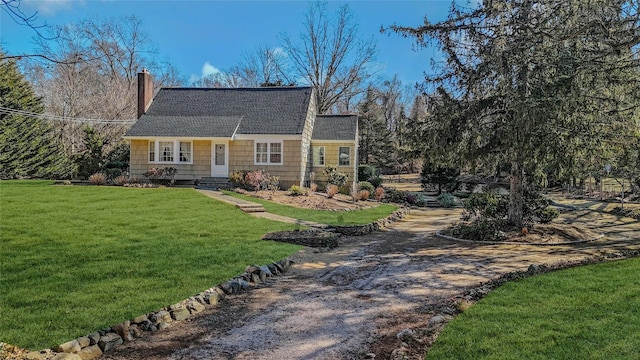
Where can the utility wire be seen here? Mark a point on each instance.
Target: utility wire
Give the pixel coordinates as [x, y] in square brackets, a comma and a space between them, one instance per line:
[63, 118]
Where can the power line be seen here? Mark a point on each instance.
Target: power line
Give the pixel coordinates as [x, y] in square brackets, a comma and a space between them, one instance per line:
[63, 118]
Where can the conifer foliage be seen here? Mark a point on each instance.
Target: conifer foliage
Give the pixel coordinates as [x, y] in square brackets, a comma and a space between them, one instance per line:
[28, 145]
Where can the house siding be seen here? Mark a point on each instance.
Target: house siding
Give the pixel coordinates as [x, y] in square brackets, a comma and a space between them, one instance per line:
[201, 166]
[242, 158]
[331, 159]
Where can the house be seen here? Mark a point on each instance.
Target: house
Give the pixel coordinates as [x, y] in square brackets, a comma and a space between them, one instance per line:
[211, 132]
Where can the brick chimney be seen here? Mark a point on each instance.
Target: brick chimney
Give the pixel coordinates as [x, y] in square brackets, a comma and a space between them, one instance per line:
[145, 91]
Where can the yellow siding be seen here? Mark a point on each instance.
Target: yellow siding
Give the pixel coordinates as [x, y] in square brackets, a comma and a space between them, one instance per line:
[201, 166]
[242, 153]
[331, 159]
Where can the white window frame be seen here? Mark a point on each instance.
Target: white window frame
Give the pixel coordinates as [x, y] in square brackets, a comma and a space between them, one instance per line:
[316, 156]
[349, 158]
[268, 153]
[175, 143]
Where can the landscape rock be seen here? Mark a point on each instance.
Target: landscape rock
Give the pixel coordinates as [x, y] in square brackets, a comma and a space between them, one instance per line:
[180, 314]
[66, 356]
[163, 326]
[94, 338]
[227, 288]
[68, 347]
[212, 298]
[140, 319]
[135, 331]
[161, 316]
[83, 341]
[195, 307]
[437, 320]
[109, 341]
[90, 352]
[123, 330]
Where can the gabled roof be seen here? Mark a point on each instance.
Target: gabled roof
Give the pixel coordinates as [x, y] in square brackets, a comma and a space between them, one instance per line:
[219, 112]
[335, 127]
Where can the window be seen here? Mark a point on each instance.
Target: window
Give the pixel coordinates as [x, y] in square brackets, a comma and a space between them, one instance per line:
[261, 153]
[344, 156]
[318, 155]
[166, 151]
[174, 152]
[269, 153]
[185, 151]
[275, 155]
[152, 151]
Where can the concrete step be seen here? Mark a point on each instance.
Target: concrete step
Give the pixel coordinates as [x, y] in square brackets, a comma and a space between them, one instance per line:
[250, 207]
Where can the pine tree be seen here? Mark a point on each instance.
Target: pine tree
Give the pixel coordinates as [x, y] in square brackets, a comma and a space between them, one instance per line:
[28, 147]
[544, 85]
[375, 141]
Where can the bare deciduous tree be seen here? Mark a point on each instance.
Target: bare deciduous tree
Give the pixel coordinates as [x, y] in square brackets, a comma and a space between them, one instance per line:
[330, 55]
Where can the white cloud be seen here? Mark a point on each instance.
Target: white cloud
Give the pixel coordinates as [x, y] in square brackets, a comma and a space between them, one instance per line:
[207, 70]
[51, 7]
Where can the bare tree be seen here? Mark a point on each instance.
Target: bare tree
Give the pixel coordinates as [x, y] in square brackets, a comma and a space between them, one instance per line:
[265, 66]
[330, 55]
[12, 8]
[103, 84]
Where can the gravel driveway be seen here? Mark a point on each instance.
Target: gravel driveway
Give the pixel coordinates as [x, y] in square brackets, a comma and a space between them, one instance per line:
[352, 301]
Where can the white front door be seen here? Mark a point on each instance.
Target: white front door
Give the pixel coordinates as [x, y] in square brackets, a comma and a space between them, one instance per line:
[220, 160]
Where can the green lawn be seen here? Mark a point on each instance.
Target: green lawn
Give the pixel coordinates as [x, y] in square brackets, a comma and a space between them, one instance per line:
[356, 217]
[589, 312]
[75, 259]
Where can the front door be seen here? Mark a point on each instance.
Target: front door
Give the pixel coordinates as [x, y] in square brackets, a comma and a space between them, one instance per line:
[220, 160]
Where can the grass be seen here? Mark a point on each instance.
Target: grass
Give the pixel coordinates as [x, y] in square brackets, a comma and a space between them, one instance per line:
[76, 259]
[588, 312]
[355, 217]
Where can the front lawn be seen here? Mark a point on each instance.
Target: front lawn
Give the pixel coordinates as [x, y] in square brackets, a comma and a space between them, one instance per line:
[588, 312]
[355, 217]
[76, 259]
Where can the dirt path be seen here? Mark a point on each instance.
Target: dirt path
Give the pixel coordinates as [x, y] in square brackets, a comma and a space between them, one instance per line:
[351, 302]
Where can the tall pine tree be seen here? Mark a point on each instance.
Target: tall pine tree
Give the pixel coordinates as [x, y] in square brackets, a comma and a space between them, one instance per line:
[28, 146]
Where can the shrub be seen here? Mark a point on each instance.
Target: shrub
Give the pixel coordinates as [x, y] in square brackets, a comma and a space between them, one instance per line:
[379, 193]
[120, 180]
[404, 197]
[98, 179]
[254, 180]
[170, 174]
[491, 206]
[365, 185]
[154, 175]
[445, 177]
[296, 190]
[237, 178]
[135, 180]
[332, 190]
[446, 200]
[335, 177]
[366, 172]
[547, 215]
[356, 196]
[376, 181]
[314, 187]
[364, 194]
[480, 229]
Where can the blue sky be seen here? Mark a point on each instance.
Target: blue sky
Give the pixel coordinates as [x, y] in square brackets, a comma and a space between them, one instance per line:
[203, 36]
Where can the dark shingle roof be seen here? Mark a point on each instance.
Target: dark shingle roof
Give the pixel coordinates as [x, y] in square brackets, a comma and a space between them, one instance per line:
[335, 127]
[215, 112]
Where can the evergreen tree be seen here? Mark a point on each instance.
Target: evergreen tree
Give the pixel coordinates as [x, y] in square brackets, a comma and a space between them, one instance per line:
[375, 141]
[545, 85]
[28, 146]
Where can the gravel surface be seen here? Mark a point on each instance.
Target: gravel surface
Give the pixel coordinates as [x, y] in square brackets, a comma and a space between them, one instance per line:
[353, 301]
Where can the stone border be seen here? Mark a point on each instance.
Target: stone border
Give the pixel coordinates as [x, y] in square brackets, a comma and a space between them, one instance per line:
[366, 229]
[424, 337]
[447, 237]
[95, 344]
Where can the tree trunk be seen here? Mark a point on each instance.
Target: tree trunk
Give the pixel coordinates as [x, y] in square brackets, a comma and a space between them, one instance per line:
[516, 194]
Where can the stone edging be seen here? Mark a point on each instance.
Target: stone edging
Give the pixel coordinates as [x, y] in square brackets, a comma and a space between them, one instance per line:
[360, 230]
[95, 344]
[425, 337]
[447, 237]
